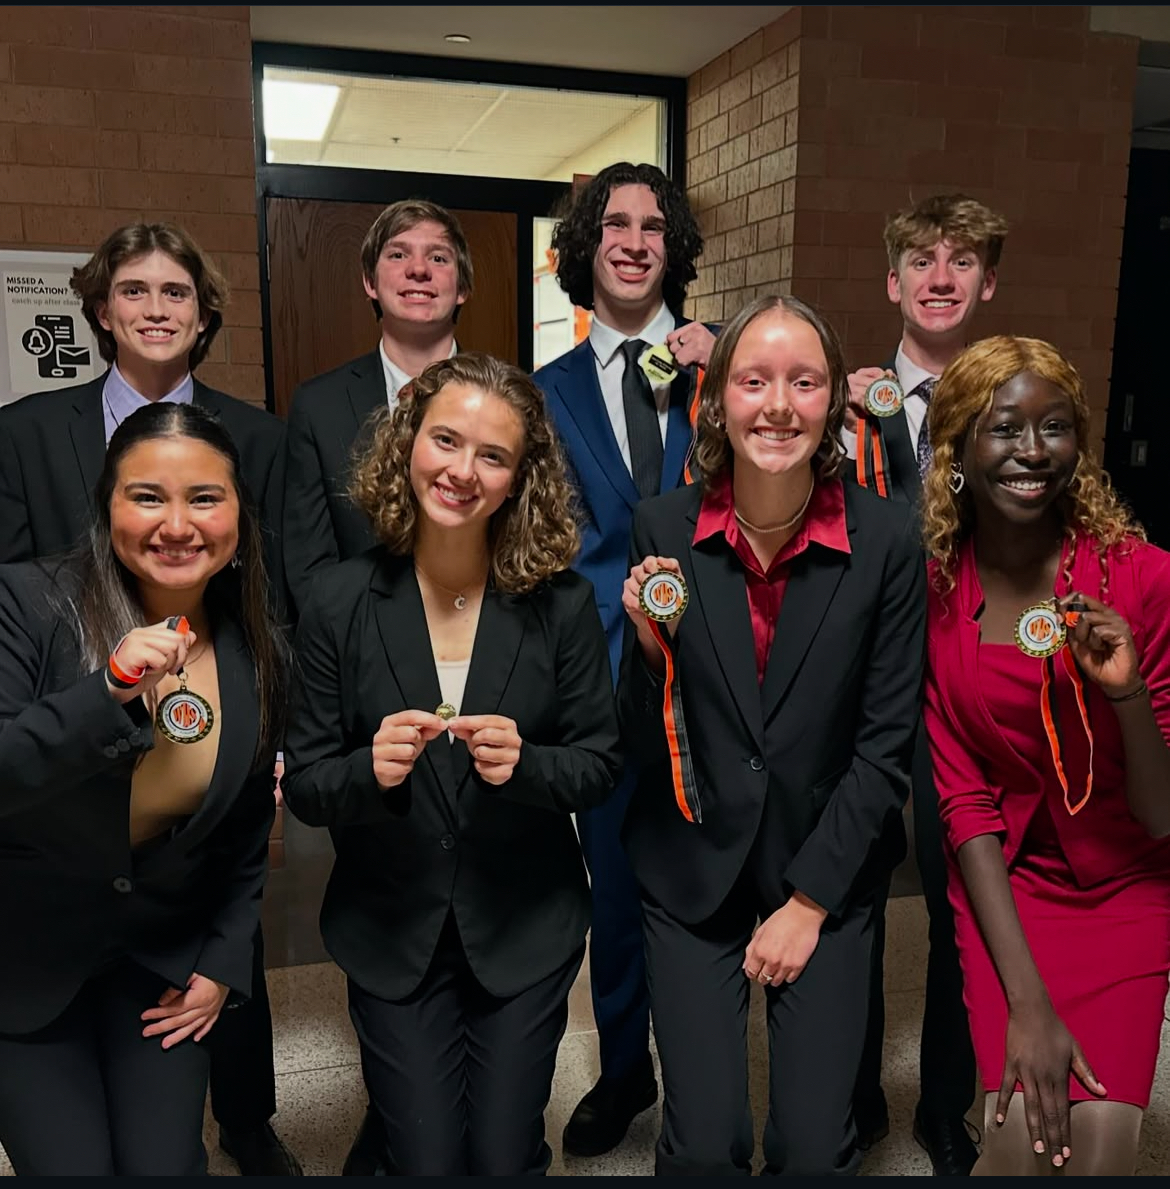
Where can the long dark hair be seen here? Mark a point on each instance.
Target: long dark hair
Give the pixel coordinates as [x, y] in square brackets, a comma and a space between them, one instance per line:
[577, 236]
[108, 604]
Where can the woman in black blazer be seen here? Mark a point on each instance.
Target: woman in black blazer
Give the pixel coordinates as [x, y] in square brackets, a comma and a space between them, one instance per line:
[798, 662]
[452, 710]
[137, 752]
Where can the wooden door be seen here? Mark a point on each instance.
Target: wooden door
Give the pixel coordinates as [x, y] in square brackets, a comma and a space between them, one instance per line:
[319, 312]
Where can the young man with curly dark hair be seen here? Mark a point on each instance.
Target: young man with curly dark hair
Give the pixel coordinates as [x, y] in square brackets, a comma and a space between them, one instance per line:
[625, 250]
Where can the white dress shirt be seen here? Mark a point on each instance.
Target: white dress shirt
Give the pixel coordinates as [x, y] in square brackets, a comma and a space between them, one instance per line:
[396, 378]
[910, 375]
[611, 366]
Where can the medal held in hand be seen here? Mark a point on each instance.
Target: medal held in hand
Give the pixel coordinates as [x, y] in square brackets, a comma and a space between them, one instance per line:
[884, 397]
[1041, 631]
[183, 716]
[663, 596]
[445, 711]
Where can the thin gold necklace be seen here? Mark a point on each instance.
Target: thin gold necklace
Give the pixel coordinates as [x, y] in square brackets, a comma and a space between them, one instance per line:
[776, 528]
[460, 596]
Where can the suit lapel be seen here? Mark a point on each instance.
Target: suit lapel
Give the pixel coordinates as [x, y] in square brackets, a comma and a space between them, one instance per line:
[88, 433]
[239, 724]
[498, 635]
[366, 390]
[721, 594]
[402, 626]
[579, 391]
[813, 578]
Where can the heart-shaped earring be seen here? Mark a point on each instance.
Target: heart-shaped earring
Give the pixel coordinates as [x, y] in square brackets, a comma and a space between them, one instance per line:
[958, 480]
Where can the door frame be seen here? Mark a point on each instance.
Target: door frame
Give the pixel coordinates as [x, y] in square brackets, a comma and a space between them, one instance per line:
[527, 200]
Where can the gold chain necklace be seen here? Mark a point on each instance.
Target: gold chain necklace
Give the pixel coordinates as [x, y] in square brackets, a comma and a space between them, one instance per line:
[776, 528]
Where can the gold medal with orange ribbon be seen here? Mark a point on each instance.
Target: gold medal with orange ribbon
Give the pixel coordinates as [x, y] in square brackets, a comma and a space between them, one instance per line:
[1042, 632]
[884, 397]
[183, 716]
[663, 597]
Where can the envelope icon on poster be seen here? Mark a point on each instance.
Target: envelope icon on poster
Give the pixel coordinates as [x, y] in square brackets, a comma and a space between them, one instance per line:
[72, 356]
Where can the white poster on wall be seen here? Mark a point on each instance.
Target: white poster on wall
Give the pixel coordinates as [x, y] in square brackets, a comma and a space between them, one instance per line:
[45, 341]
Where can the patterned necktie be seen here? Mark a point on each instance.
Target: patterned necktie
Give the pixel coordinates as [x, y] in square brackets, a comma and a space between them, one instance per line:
[925, 450]
[642, 427]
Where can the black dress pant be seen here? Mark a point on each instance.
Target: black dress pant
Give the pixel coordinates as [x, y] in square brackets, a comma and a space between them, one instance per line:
[89, 1095]
[816, 1029]
[460, 1078]
[243, 1074]
[946, 1056]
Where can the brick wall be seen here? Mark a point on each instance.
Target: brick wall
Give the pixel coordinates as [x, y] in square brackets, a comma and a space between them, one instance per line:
[109, 115]
[1023, 107]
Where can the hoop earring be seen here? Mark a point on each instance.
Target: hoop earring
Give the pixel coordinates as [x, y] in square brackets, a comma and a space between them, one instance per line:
[958, 480]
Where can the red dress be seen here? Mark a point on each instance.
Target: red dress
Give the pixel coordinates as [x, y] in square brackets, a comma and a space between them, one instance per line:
[1092, 889]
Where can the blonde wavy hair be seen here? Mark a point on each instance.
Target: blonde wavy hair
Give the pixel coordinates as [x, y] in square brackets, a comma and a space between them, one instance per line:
[534, 535]
[963, 395]
[713, 454]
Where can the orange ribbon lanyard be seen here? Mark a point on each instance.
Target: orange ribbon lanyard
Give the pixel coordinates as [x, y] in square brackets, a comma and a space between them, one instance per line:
[693, 417]
[1050, 714]
[682, 769]
[870, 451]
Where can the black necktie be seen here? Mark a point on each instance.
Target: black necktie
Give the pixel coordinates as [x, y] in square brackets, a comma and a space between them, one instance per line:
[925, 450]
[642, 428]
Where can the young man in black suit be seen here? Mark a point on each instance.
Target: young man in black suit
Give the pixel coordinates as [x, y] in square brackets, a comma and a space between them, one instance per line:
[154, 301]
[416, 270]
[944, 253]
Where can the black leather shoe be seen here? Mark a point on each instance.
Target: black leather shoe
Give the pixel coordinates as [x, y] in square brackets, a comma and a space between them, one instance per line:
[604, 1115]
[947, 1142]
[873, 1122]
[365, 1157]
[259, 1152]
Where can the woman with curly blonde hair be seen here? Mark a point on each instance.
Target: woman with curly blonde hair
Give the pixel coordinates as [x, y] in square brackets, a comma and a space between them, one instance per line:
[453, 708]
[1048, 711]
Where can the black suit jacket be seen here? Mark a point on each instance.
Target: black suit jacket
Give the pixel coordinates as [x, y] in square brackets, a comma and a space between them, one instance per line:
[504, 859]
[327, 422]
[802, 780]
[53, 445]
[73, 894]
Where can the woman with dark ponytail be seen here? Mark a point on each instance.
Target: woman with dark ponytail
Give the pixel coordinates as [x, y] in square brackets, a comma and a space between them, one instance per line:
[141, 684]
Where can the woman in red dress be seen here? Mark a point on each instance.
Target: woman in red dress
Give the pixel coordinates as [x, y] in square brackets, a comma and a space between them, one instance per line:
[1053, 770]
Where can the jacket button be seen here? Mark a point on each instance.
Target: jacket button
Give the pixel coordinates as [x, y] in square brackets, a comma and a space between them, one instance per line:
[122, 884]
[757, 764]
[110, 752]
[447, 842]
[123, 745]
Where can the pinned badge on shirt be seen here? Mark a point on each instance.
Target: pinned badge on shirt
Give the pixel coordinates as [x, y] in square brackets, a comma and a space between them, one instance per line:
[658, 364]
[884, 397]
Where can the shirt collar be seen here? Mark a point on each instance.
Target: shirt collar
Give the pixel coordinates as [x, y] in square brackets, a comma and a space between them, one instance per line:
[396, 378]
[824, 523]
[910, 375]
[124, 398]
[606, 341]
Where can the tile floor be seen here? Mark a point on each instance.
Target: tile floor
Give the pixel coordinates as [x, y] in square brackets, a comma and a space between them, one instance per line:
[321, 1099]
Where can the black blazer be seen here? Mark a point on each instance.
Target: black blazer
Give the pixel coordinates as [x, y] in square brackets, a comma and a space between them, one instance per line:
[505, 859]
[53, 445]
[328, 420]
[802, 780]
[73, 894]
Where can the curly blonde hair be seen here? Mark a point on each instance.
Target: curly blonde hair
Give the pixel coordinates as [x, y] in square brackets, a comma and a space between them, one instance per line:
[534, 535]
[963, 395]
[713, 454]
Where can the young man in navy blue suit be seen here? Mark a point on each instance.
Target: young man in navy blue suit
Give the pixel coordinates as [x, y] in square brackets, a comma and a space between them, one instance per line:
[627, 251]
[943, 253]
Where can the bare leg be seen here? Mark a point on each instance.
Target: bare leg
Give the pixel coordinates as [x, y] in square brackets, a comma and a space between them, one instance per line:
[1104, 1139]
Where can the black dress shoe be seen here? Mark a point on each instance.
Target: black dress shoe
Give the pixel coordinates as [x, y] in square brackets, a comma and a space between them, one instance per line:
[366, 1156]
[947, 1142]
[873, 1122]
[259, 1152]
[604, 1115]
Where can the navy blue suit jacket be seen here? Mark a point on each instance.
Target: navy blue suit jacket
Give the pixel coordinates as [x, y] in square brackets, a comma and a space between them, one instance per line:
[602, 479]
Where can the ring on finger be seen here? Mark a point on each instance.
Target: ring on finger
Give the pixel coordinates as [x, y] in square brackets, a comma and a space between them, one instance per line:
[765, 978]
[751, 973]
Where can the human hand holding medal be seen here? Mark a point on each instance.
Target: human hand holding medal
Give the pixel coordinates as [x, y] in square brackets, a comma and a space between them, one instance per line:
[400, 739]
[1102, 644]
[655, 590]
[146, 655]
[493, 742]
[859, 383]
